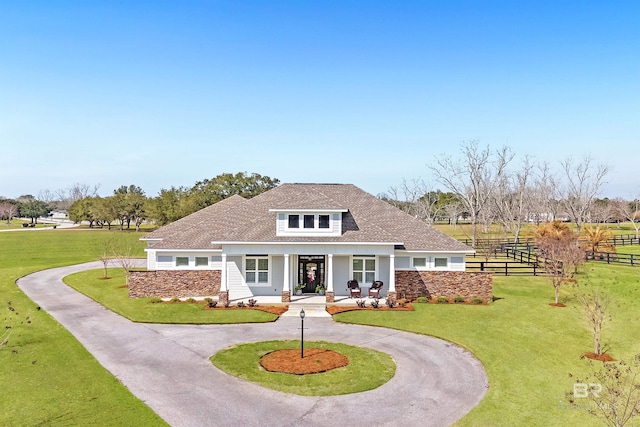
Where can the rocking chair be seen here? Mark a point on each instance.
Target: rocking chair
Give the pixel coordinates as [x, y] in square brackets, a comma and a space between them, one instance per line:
[374, 290]
[354, 289]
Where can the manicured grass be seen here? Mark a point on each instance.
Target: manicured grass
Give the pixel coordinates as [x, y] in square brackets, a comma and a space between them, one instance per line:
[113, 295]
[527, 347]
[243, 361]
[47, 377]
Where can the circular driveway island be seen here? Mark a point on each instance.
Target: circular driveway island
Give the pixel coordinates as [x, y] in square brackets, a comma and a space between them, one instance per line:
[168, 367]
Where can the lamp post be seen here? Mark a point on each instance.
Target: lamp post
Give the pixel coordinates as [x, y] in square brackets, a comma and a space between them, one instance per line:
[302, 334]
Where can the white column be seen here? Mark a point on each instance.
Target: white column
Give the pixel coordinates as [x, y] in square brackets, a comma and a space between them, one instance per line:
[330, 273]
[287, 279]
[223, 275]
[392, 273]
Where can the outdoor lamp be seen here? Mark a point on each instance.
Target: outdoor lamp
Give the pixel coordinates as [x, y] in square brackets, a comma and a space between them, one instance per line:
[302, 334]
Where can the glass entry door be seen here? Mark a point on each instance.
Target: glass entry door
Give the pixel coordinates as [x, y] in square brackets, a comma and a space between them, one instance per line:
[310, 272]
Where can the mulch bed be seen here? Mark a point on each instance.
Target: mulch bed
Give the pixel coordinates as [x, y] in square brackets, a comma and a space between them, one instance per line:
[553, 304]
[315, 360]
[335, 309]
[604, 357]
[273, 309]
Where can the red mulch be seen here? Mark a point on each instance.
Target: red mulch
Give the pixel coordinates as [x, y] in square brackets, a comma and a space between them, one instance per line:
[273, 309]
[315, 360]
[335, 309]
[604, 357]
[104, 278]
[553, 304]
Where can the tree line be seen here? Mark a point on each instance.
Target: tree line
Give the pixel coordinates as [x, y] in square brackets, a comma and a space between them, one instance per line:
[129, 206]
[485, 186]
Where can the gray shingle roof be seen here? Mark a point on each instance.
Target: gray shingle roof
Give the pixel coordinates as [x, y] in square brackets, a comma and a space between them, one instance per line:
[367, 220]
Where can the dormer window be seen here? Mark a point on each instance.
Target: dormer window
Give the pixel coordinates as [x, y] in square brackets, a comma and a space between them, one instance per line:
[306, 222]
[309, 221]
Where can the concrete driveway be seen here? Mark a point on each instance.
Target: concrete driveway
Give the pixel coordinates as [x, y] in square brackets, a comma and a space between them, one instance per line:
[167, 367]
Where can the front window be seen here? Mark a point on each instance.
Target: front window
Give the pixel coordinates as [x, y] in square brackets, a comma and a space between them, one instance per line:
[364, 270]
[419, 262]
[309, 221]
[441, 262]
[202, 261]
[182, 261]
[257, 270]
[294, 221]
[323, 221]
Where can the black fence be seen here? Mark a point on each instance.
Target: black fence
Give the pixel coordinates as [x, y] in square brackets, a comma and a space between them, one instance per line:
[506, 268]
[613, 258]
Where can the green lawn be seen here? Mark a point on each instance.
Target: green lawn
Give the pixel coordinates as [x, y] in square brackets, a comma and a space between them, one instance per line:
[115, 297]
[47, 377]
[527, 347]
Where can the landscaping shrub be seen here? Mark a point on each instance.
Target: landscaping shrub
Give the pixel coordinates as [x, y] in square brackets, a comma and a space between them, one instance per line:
[175, 299]
[477, 301]
[422, 299]
[191, 300]
[458, 299]
[361, 303]
[252, 302]
[391, 303]
[375, 303]
[240, 304]
[155, 300]
[442, 300]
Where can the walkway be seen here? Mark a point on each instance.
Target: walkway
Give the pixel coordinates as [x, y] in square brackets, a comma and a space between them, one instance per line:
[167, 367]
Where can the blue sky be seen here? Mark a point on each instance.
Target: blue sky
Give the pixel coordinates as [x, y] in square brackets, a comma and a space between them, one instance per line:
[160, 94]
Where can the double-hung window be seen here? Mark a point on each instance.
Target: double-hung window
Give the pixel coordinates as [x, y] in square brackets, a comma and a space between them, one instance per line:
[256, 270]
[364, 270]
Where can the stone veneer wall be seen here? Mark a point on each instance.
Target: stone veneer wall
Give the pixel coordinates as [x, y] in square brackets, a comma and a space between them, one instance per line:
[174, 283]
[448, 284]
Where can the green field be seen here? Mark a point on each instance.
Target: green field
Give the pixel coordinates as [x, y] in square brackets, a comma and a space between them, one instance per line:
[527, 347]
[48, 378]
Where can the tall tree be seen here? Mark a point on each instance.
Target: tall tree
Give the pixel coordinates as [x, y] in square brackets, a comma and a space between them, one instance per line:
[513, 199]
[129, 203]
[170, 205]
[34, 209]
[584, 180]
[8, 210]
[472, 177]
[629, 211]
[209, 191]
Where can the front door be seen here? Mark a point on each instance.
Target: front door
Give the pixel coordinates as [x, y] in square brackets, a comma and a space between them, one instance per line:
[310, 272]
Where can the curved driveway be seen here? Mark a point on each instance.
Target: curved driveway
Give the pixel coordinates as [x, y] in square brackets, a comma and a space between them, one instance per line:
[167, 367]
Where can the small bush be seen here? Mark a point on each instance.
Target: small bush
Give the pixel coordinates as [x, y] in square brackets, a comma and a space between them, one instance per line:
[375, 303]
[240, 304]
[155, 300]
[208, 299]
[212, 303]
[361, 303]
[422, 299]
[442, 300]
[477, 300]
[191, 300]
[252, 302]
[402, 303]
[391, 303]
[175, 299]
[458, 299]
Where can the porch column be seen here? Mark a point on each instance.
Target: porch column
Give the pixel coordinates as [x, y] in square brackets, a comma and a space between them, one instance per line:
[223, 297]
[286, 292]
[392, 278]
[330, 294]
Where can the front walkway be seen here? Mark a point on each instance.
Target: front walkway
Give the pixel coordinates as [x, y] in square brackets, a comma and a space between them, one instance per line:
[167, 367]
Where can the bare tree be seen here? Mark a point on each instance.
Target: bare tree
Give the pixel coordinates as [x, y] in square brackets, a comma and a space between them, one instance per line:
[513, 197]
[473, 177]
[596, 305]
[8, 211]
[630, 211]
[561, 253]
[76, 192]
[613, 392]
[584, 181]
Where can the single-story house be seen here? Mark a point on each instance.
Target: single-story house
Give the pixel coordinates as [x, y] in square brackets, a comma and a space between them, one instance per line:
[297, 237]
